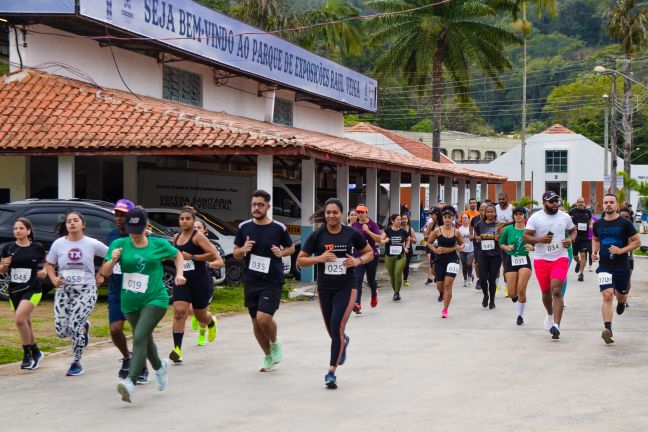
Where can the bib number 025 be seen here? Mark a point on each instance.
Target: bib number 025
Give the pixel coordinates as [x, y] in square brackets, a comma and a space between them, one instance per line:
[335, 268]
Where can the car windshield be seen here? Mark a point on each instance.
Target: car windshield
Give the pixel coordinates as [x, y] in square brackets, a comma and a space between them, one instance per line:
[217, 223]
[5, 215]
[158, 229]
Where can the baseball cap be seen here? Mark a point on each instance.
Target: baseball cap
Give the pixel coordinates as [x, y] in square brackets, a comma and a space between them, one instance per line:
[123, 205]
[549, 195]
[362, 208]
[136, 220]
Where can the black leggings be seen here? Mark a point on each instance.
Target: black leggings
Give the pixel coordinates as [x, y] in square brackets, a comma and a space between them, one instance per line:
[467, 259]
[143, 323]
[359, 273]
[336, 307]
[408, 258]
[488, 270]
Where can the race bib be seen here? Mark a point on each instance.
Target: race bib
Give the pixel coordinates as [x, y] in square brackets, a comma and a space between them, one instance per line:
[73, 277]
[582, 226]
[488, 245]
[335, 268]
[188, 265]
[20, 275]
[259, 264]
[453, 268]
[554, 247]
[135, 282]
[519, 261]
[287, 264]
[117, 269]
[604, 279]
[395, 250]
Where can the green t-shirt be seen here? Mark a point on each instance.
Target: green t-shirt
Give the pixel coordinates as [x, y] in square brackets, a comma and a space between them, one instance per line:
[512, 236]
[142, 272]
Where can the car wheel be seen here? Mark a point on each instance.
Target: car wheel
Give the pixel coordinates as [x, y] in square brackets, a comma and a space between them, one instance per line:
[234, 270]
[4, 287]
[168, 279]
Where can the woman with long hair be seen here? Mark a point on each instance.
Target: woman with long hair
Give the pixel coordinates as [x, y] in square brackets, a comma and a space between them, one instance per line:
[405, 224]
[21, 259]
[397, 244]
[435, 220]
[371, 232]
[490, 260]
[467, 254]
[330, 248]
[352, 217]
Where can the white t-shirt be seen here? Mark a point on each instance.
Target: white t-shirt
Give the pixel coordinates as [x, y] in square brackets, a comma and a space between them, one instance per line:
[505, 215]
[468, 244]
[75, 259]
[558, 224]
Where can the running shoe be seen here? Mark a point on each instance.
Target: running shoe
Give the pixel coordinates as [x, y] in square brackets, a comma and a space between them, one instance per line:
[444, 313]
[506, 292]
[520, 320]
[469, 281]
[142, 378]
[126, 388]
[590, 269]
[267, 364]
[195, 324]
[440, 298]
[27, 362]
[276, 348]
[607, 336]
[75, 369]
[176, 355]
[37, 356]
[555, 332]
[547, 322]
[211, 331]
[330, 380]
[161, 377]
[395, 298]
[580, 277]
[86, 333]
[406, 283]
[491, 305]
[398, 297]
[478, 285]
[465, 283]
[346, 345]
[357, 308]
[123, 372]
[485, 301]
[577, 267]
[374, 300]
[428, 281]
[202, 339]
[621, 308]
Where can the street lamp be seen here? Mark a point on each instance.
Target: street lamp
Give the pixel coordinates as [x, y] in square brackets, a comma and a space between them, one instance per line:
[605, 135]
[605, 71]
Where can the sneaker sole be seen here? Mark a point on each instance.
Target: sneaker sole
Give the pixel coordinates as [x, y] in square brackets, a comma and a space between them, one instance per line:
[123, 391]
[331, 385]
[175, 357]
[555, 333]
[607, 336]
[74, 374]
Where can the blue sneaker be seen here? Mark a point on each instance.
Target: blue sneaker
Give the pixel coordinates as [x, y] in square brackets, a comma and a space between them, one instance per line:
[346, 345]
[330, 381]
[75, 369]
[86, 335]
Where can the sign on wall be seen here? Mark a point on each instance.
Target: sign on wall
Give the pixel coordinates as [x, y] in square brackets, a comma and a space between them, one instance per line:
[37, 6]
[199, 30]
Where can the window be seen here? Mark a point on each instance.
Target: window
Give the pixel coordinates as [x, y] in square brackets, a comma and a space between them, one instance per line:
[284, 205]
[181, 86]
[475, 155]
[490, 155]
[457, 154]
[556, 161]
[45, 222]
[97, 226]
[283, 112]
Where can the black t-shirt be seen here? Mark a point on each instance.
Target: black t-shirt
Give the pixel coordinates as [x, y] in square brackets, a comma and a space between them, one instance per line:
[581, 219]
[397, 239]
[486, 233]
[332, 276]
[615, 232]
[25, 264]
[473, 223]
[263, 268]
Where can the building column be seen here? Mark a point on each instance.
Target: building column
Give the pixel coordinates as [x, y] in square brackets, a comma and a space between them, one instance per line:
[130, 181]
[433, 192]
[415, 217]
[308, 194]
[264, 176]
[269, 105]
[447, 190]
[372, 193]
[473, 189]
[342, 184]
[483, 191]
[66, 177]
[461, 196]
[394, 192]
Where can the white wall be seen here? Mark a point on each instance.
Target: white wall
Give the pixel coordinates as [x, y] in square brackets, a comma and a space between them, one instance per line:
[13, 175]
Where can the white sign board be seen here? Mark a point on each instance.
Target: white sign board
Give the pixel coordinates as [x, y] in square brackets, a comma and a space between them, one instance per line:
[607, 182]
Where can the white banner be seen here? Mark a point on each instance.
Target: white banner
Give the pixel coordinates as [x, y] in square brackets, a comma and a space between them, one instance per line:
[37, 6]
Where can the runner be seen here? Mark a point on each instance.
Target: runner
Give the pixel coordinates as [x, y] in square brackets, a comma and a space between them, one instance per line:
[371, 232]
[197, 292]
[116, 317]
[21, 260]
[76, 285]
[405, 224]
[490, 259]
[262, 242]
[582, 219]
[545, 231]
[397, 244]
[517, 264]
[472, 209]
[144, 298]
[352, 217]
[449, 241]
[624, 212]
[212, 266]
[614, 238]
[435, 220]
[504, 216]
[467, 254]
[476, 245]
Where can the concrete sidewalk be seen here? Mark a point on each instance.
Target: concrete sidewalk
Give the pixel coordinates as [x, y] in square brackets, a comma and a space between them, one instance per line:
[407, 370]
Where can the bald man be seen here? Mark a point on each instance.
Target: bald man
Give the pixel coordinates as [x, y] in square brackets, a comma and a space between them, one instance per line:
[582, 218]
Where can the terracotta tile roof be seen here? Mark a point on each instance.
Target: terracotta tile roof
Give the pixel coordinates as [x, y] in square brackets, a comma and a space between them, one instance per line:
[414, 147]
[41, 113]
[557, 129]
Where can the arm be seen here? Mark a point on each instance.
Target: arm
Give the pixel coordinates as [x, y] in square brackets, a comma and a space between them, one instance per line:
[304, 259]
[209, 248]
[240, 251]
[4, 264]
[570, 238]
[383, 238]
[596, 246]
[633, 243]
[529, 237]
[179, 265]
[286, 251]
[51, 272]
[460, 242]
[367, 255]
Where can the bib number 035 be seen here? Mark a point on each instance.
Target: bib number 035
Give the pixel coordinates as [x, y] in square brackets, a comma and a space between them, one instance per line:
[335, 268]
[259, 264]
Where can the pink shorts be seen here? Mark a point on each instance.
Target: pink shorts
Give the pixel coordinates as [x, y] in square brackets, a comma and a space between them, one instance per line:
[547, 270]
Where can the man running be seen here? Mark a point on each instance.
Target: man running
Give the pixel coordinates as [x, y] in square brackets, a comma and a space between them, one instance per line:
[582, 219]
[546, 230]
[614, 237]
[262, 242]
[476, 244]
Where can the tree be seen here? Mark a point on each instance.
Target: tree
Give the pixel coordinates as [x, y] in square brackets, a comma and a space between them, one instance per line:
[451, 36]
[264, 14]
[628, 23]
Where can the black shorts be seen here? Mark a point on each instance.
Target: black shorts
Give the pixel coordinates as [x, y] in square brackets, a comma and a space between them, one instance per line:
[441, 265]
[631, 264]
[264, 300]
[31, 295]
[618, 281]
[582, 245]
[198, 294]
[510, 268]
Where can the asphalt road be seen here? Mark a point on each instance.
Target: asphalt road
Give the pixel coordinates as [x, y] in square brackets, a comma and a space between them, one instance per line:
[407, 370]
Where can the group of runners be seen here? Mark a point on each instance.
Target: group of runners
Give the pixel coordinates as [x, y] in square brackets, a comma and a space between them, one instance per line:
[344, 254]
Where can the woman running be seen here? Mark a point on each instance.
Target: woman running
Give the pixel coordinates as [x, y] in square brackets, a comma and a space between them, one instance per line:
[405, 223]
[467, 254]
[212, 266]
[196, 251]
[449, 241]
[352, 217]
[332, 246]
[21, 260]
[371, 232]
[397, 243]
[435, 219]
[489, 259]
[517, 264]
[144, 298]
[76, 285]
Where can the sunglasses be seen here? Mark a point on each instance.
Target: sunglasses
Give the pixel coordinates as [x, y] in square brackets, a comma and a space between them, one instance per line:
[553, 200]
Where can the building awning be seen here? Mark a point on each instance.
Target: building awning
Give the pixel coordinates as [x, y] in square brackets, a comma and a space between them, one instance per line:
[48, 115]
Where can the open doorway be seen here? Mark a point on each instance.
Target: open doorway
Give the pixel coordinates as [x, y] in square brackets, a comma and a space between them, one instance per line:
[559, 187]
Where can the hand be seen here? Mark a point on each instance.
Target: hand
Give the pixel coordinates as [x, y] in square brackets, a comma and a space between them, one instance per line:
[365, 228]
[406, 250]
[180, 280]
[99, 279]
[57, 282]
[116, 254]
[615, 250]
[508, 248]
[186, 256]
[215, 265]
[276, 251]
[567, 242]
[6, 262]
[42, 274]
[546, 239]
[350, 261]
[529, 247]
[247, 246]
[327, 256]
[595, 256]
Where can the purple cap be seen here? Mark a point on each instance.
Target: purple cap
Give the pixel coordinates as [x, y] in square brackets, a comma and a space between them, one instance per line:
[123, 205]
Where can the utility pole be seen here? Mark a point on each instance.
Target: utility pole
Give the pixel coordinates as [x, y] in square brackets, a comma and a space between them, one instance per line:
[606, 142]
[522, 187]
[613, 137]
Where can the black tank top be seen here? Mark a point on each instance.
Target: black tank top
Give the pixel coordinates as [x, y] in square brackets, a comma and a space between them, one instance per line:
[192, 249]
[447, 242]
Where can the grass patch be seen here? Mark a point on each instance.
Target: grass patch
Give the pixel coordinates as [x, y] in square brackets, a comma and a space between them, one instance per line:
[641, 251]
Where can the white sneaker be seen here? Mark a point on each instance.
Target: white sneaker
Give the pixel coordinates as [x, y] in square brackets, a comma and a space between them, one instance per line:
[469, 282]
[548, 321]
[465, 283]
[161, 375]
[126, 388]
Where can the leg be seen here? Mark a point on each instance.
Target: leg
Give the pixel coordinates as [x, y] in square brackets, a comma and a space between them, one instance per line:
[558, 303]
[483, 277]
[495, 262]
[267, 326]
[359, 273]
[143, 323]
[341, 309]
[62, 312]
[399, 267]
[180, 314]
[371, 269]
[23, 322]
[512, 282]
[606, 309]
[117, 319]
[203, 316]
[523, 276]
[447, 290]
[83, 302]
[464, 265]
[408, 259]
[259, 333]
[582, 260]
[390, 265]
[547, 301]
[470, 261]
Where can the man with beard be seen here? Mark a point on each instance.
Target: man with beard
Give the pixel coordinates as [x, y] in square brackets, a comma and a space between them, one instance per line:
[582, 219]
[262, 242]
[546, 231]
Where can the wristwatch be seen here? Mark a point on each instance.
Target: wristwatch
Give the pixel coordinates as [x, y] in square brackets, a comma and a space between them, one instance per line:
[193, 257]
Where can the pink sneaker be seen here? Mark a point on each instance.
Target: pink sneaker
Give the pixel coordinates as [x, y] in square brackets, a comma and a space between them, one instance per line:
[444, 313]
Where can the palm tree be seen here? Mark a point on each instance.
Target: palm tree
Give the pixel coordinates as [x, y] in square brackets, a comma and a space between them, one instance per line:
[451, 36]
[628, 22]
[264, 14]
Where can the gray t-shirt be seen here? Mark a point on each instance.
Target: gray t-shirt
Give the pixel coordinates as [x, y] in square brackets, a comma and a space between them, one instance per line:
[75, 259]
